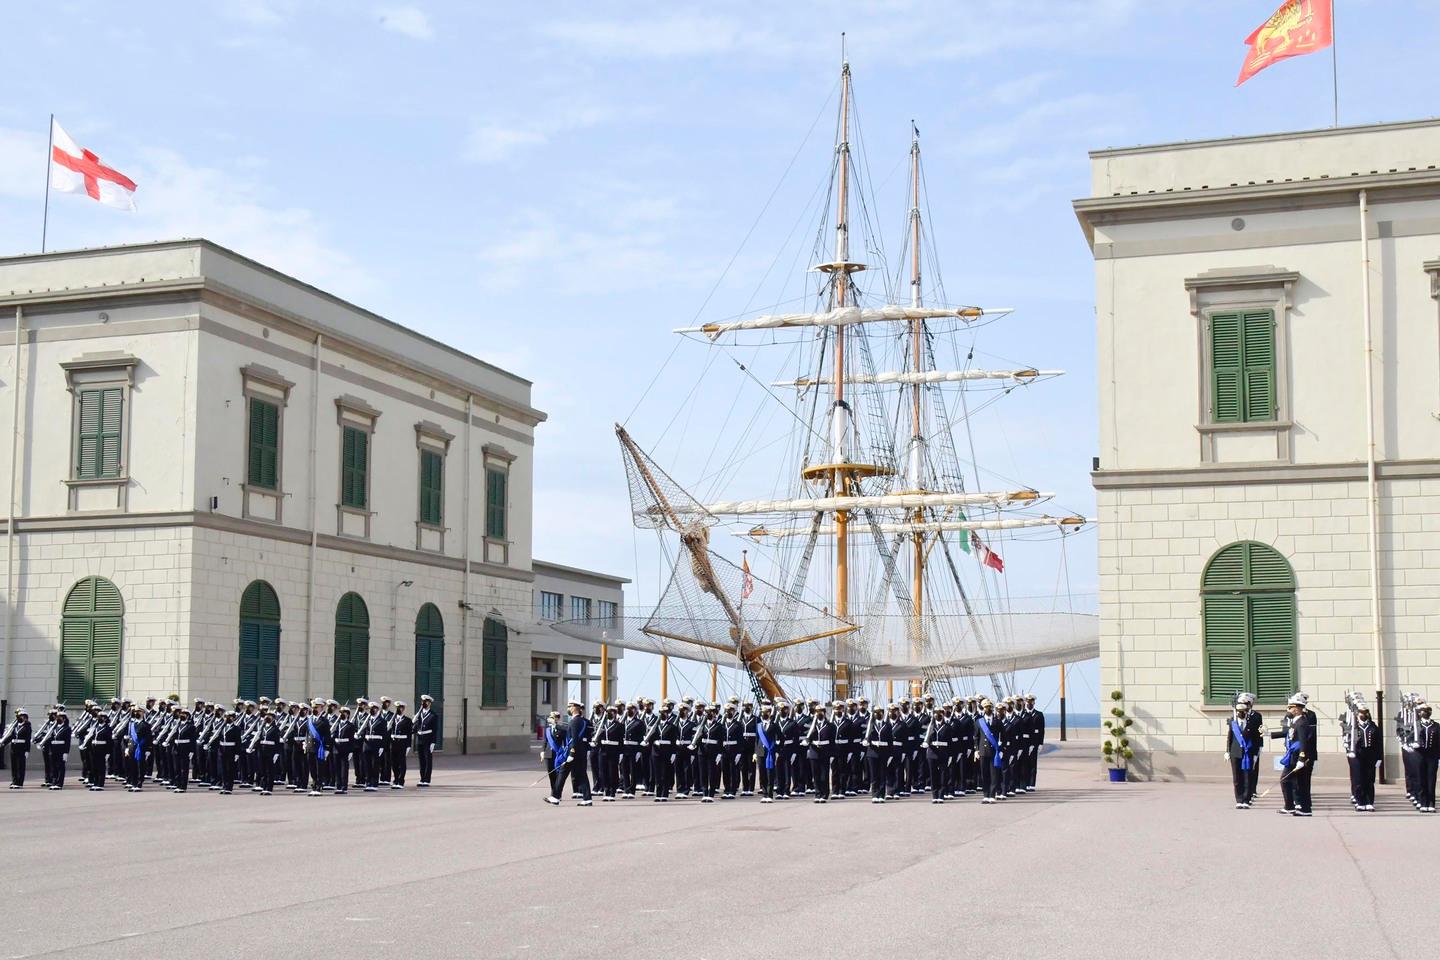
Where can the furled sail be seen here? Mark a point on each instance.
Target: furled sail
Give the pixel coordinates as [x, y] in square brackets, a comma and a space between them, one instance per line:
[898, 501]
[846, 316]
[912, 377]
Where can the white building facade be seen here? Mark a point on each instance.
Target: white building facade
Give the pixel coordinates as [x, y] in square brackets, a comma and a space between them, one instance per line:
[224, 482]
[1251, 535]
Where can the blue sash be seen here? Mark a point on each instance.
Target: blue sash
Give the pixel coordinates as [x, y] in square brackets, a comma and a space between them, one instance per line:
[1292, 749]
[560, 752]
[769, 747]
[1245, 761]
[319, 743]
[999, 760]
[135, 739]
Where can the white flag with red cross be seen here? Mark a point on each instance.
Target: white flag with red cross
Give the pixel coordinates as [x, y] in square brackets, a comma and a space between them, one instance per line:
[73, 169]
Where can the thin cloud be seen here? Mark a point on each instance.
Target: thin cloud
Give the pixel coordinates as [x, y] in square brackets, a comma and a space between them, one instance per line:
[407, 21]
[493, 143]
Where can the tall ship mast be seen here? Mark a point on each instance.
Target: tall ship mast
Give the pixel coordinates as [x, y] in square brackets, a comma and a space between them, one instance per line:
[907, 587]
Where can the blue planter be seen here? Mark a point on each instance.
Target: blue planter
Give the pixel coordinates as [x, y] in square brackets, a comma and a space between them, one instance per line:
[1117, 774]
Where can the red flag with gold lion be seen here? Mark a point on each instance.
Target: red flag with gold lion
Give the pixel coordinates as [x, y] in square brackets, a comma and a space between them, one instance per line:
[1297, 28]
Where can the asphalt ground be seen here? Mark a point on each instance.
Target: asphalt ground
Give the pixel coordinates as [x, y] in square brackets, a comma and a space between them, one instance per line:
[478, 866]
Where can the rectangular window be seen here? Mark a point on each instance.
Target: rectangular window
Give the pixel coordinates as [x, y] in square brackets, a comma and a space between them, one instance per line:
[354, 468]
[608, 611]
[551, 605]
[432, 487]
[97, 455]
[495, 481]
[1242, 361]
[579, 608]
[263, 468]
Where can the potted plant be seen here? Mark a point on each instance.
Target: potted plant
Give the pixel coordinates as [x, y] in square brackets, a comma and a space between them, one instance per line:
[1116, 746]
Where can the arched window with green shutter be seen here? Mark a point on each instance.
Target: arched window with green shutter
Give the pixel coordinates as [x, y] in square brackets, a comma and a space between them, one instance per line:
[92, 627]
[259, 674]
[495, 659]
[1248, 598]
[430, 660]
[352, 648]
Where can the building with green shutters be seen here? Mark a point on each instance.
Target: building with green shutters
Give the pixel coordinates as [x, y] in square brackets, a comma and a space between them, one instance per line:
[233, 484]
[1235, 473]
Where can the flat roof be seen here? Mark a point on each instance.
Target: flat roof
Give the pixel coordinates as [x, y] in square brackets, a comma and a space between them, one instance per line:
[1264, 137]
[536, 565]
[204, 244]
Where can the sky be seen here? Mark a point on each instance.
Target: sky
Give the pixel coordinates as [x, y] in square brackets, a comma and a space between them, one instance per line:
[554, 187]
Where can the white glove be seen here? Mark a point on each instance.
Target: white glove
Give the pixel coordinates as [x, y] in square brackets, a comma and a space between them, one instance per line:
[1227, 754]
[407, 751]
[1350, 755]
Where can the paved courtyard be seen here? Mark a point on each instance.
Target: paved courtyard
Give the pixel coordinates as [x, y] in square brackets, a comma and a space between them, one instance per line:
[480, 867]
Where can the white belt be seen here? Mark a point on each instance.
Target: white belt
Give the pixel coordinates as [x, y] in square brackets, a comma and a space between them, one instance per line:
[662, 743]
[821, 743]
[879, 743]
[178, 742]
[342, 739]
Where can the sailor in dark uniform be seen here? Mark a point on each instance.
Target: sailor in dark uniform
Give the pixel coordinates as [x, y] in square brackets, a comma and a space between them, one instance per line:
[57, 746]
[748, 746]
[732, 737]
[427, 732]
[786, 758]
[576, 746]
[1427, 749]
[1242, 749]
[402, 731]
[18, 738]
[990, 750]
[663, 742]
[710, 750]
[819, 743]
[937, 749]
[183, 737]
[345, 735]
[768, 737]
[1299, 759]
[875, 741]
[96, 749]
[1366, 749]
[609, 740]
[632, 734]
[681, 757]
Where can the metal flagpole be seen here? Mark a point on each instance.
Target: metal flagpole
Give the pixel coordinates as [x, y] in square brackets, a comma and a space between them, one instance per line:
[1334, 66]
[49, 152]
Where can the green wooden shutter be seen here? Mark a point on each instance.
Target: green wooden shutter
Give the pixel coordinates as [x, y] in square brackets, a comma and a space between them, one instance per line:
[1272, 642]
[263, 468]
[248, 685]
[432, 480]
[87, 455]
[74, 660]
[493, 692]
[1227, 405]
[352, 648]
[1225, 647]
[430, 660]
[267, 678]
[1259, 353]
[355, 463]
[110, 421]
[495, 481]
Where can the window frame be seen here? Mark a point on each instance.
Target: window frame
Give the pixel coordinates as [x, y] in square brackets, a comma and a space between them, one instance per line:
[1248, 591]
[354, 414]
[559, 609]
[575, 603]
[259, 502]
[1241, 290]
[100, 372]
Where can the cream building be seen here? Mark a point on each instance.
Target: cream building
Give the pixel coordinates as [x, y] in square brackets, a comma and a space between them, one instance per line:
[1238, 283]
[224, 482]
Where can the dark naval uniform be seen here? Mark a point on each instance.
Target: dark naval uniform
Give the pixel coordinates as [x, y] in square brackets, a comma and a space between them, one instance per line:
[18, 738]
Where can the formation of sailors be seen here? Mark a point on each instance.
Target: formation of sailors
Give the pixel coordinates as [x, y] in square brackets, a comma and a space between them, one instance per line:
[787, 749]
[313, 748]
[1361, 741]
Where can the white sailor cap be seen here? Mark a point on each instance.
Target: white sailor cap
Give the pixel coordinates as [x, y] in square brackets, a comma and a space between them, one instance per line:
[332, 703]
[1296, 701]
[21, 712]
[576, 703]
[426, 698]
[1302, 698]
[399, 704]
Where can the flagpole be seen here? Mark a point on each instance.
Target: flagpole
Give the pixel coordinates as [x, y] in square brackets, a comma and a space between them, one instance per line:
[1334, 65]
[49, 150]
